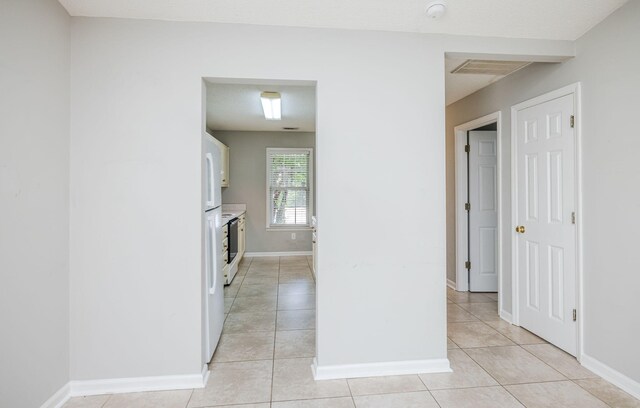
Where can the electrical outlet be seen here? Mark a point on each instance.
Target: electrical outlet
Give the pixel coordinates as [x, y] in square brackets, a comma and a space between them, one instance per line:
[293, 235]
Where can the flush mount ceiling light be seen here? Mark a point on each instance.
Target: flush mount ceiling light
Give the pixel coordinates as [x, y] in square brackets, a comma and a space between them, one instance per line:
[436, 9]
[271, 105]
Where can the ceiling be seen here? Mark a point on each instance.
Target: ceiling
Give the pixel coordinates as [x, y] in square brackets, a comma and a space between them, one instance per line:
[542, 19]
[237, 106]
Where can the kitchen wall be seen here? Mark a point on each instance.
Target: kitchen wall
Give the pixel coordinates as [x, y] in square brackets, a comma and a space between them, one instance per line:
[34, 201]
[607, 64]
[137, 121]
[248, 185]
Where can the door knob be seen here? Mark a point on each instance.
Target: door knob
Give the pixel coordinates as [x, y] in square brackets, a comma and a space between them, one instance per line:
[520, 229]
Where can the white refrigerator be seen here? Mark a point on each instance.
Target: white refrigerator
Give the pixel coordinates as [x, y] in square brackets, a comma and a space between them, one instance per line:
[214, 279]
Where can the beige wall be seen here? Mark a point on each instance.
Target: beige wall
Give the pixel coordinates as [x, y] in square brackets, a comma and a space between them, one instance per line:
[247, 168]
[607, 64]
[34, 201]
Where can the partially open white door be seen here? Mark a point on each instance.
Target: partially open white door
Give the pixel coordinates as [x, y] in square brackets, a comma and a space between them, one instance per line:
[545, 214]
[483, 211]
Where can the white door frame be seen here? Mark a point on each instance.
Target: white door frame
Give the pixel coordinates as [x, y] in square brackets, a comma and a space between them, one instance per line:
[460, 131]
[573, 89]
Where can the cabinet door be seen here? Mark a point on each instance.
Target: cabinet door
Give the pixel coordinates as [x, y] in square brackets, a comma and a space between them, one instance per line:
[224, 165]
[241, 237]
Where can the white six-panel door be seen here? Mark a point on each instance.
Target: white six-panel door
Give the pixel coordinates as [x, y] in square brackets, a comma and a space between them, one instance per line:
[483, 213]
[545, 213]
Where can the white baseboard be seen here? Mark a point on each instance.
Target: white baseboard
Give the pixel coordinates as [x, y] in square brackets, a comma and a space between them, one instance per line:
[506, 316]
[205, 375]
[58, 399]
[139, 384]
[379, 369]
[614, 377]
[290, 253]
[451, 284]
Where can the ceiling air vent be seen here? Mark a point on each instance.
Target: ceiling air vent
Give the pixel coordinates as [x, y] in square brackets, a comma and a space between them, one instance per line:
[489, 67]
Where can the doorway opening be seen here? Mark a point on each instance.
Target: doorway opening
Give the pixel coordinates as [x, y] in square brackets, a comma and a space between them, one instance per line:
[478, 209]
[259, 206]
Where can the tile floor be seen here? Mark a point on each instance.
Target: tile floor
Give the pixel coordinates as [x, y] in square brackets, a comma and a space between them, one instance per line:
[265, 352]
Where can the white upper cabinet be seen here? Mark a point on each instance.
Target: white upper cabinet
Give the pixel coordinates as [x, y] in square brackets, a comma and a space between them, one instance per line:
[224, 165]
[224, 162]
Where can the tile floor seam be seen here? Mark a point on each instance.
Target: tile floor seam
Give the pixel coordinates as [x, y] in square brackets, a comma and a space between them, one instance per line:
[105, 401]
[535, 382]
[273, 361]
[393, 392]
[480, 365]
[434, 398]
[516, 398]
[424, 383]
[449, 338]
[595, 396]
[190, 396]
[350, 391]
[544, 362]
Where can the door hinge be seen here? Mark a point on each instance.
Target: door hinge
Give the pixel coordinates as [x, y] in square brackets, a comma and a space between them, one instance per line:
[467, 206]
[467, 265]
[467, 148]
[575, 315]
[573, 121]
[573, 217]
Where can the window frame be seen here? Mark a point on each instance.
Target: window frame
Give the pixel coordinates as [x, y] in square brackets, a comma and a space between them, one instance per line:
[288, 227]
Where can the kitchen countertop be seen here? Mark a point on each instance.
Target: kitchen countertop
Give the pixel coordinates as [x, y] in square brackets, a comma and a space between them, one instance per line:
[229, 215]
[231, 211]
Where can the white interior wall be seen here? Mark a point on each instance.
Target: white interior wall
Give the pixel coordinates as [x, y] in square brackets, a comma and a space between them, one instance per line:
[607, 64]
[135, 162]
[34, 201]
[135, 186]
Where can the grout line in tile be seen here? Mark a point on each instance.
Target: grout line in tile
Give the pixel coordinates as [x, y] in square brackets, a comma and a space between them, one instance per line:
[242, 361]
[190, 396]
[350, 391]
[516, 398]
[273, 361]
[449, 338]
[544, 362]
[107, 400]
[595, 396]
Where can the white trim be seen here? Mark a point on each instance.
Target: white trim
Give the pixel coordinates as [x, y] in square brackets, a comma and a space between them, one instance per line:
[58, 399]
[289, 253]
[310, 183]
[451, 284]
[506, 316]
[462, 283]
[139, 384]
[613, 376]
[379, 369]
[575, 90]
[205, 375]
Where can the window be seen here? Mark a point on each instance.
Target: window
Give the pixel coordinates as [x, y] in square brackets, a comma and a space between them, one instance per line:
[289, 192]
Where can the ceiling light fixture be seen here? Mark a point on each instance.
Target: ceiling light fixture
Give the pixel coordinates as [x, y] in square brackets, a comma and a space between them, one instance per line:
[271, 105]
[436, 9]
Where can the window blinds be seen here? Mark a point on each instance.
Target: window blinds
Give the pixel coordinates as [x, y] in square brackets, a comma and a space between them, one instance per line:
[289, 187]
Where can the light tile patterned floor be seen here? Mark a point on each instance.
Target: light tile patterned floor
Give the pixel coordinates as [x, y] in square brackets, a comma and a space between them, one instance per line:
[264, 357]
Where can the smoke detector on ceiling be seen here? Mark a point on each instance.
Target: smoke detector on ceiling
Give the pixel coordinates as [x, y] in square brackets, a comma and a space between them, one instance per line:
[436, 9]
